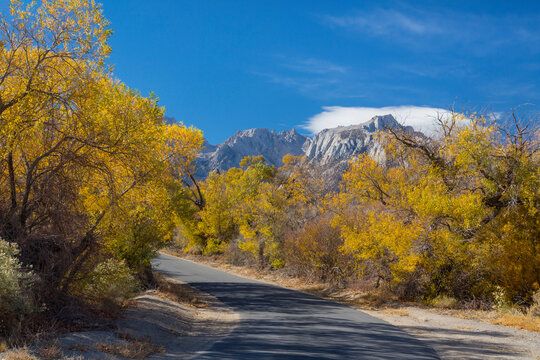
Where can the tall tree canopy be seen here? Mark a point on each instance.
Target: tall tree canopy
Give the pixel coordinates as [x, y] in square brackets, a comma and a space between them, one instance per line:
[84, 160]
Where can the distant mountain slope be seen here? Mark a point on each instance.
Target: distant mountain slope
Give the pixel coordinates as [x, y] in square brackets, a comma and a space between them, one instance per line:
[331, 148]
[340, 144]
[272, 145]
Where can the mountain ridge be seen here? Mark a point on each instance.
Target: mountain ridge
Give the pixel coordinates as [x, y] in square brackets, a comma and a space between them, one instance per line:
[331, 148]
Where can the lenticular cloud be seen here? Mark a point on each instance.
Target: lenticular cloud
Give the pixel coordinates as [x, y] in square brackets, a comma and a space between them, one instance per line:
[419, 117]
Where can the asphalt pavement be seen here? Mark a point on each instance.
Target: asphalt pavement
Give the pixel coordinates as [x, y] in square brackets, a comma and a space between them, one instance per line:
[279, 323]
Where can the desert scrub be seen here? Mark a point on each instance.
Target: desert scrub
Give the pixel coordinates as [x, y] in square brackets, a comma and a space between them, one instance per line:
[169, 288]
[18, 354]
[517, 317]
[444, 302]
[16, 300]
[132, 347]
[534, 309]
[109, 285]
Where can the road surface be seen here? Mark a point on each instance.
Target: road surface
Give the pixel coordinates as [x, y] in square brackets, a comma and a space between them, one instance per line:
[278, 323]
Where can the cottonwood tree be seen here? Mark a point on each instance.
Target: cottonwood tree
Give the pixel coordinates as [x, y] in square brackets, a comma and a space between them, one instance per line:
[453, 215]
[184, 144]
[83, 159]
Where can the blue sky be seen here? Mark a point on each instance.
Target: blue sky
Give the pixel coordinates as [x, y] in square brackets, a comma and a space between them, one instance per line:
[229, 65]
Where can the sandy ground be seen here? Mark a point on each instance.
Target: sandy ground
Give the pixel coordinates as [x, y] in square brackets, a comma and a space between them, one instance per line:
[181, 331]
[167, 328]
[456, 338]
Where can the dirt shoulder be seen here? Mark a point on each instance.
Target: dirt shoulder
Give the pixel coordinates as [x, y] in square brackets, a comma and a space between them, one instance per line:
[174, 322]
[453, 334]
[457, 338]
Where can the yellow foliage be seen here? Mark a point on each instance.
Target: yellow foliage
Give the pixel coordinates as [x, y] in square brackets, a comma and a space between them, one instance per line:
[463, 205]
[184, 145]
[84, 158]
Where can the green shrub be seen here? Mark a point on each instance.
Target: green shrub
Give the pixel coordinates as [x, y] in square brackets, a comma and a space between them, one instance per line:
[109, 284]
[16, 300]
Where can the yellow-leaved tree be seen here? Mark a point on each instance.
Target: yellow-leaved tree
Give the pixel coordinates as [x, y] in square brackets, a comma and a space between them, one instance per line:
[455, 214]
[84, 160]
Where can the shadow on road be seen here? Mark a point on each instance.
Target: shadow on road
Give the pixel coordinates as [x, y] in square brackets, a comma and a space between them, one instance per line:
[279, 323]
[285, 324]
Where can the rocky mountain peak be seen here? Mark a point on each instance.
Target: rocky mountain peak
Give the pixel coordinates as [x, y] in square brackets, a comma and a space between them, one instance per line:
[380, 123]
[259, 141]
[337, 145]
[330, 147]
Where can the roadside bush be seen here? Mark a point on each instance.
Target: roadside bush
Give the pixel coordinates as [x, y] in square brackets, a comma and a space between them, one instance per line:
[314, 252]
[108, 286]
[18, 354]
[444, 302]
[136, 243]
[534, 309]
[15, 288]
[235, 256]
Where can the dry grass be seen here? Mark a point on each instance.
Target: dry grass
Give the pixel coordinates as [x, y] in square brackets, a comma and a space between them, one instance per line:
[24, 354]
[463, 313]
[396, 311]
[18, 354]
[468, 328]
[79, 347]
[51, 350]
[126, 335]
[506, 317]
[444, 302]
[375, 299]
[177, 291]
[518, 321]
[132, 347]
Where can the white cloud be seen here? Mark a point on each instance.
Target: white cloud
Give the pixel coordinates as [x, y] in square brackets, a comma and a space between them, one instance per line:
[419, 117]
[432, 30]
[314, 66]
[386, 21]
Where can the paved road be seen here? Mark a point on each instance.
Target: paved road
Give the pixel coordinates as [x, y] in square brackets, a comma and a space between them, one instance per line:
[278, 323]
